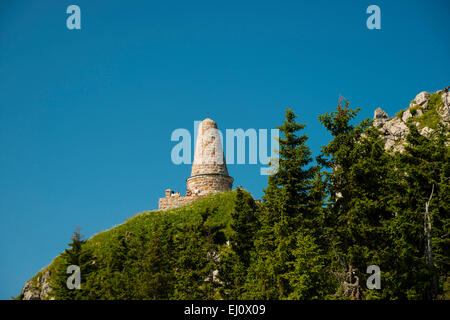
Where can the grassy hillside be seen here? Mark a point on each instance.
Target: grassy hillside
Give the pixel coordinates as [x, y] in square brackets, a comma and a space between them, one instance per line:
[146, 222]
[118, 258]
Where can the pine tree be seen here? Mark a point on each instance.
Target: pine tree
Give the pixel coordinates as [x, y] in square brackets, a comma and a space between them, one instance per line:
[359, 180]
[309, 277]
[156, 277]
[235, 261]
[78, 255]
[423, 179]
[285, 210]
[197, 258]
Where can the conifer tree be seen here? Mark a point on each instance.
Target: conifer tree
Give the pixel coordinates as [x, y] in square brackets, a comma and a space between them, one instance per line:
[77, 255]
[359, 183]
[285, 209]
[197, 258]
[155, 274]
[235, 261]
[112, 282]
[422, 269]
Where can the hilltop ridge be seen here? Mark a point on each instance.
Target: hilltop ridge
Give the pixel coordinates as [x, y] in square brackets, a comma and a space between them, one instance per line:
[426, 111]
[197, 250]
[138, 230]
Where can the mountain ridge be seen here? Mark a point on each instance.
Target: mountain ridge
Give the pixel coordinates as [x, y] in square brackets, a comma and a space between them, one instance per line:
[425, 111]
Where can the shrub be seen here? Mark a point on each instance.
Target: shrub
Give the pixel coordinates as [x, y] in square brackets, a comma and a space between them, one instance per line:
[431, 118]
[435, 101]
[400, 114]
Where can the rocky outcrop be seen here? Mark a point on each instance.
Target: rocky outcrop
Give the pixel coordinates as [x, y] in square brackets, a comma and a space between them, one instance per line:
[380, 117]
[38, 288]
[421, 99]
[444, 110]
[394, 130]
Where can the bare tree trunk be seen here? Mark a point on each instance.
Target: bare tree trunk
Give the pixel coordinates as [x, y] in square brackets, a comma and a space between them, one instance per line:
[427, 227]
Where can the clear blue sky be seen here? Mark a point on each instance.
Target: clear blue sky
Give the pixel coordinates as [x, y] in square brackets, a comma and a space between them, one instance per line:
[86, 115]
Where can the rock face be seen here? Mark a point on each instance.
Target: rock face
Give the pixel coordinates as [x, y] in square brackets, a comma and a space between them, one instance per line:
[38, 289]
[394, 129]
[421, 99]
[380, 117]
[426, 131]
[444, 110]
[406, 115]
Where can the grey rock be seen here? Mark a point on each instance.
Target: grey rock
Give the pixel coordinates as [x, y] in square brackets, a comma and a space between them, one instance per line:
[39, 289]
[29, 292]
[380, 117]
[426, 131]
[446, 99]
[422, 99]
[394, 130]
[389, 143]
[397, 128]
[444, 110]
[406, 115]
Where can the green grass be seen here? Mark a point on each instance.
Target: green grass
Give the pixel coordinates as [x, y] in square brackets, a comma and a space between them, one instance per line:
[431, 118]
[145, 223]
[400, 114]
[149, 220]
[413, 110]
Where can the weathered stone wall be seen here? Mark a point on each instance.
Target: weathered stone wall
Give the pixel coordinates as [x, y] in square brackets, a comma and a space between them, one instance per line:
[176, 202]
[209, 183]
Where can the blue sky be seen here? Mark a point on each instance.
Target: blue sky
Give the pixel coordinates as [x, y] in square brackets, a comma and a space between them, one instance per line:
[86, 115]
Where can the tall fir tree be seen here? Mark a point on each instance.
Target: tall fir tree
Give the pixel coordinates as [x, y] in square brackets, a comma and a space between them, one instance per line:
[197, 258]
[235, 260]
[77, 255]
[285, 210]
[359, 180]
[422, 270]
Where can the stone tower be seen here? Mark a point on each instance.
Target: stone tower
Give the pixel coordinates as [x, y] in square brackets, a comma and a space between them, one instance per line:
[209, 171]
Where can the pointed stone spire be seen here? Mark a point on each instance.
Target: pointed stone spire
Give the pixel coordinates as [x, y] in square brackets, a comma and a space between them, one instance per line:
[208, 157]
[209, 171]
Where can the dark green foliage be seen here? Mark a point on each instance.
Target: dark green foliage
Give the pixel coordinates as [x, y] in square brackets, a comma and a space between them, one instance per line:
[78, 255]
[358, 185]
[155, 255]
[198, 259]
[235, 260]
[400, 114]
[424, 168]
[377, 205]
[286, 219]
